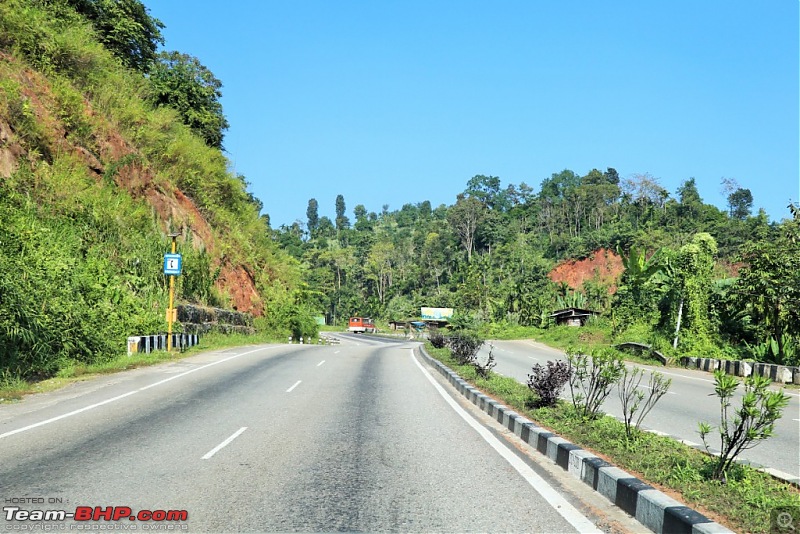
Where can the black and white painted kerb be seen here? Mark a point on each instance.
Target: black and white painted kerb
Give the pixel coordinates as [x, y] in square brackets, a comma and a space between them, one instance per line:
[652, 508]
[148, 344]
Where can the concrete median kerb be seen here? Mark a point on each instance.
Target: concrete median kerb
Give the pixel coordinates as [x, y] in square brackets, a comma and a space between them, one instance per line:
[651, 507]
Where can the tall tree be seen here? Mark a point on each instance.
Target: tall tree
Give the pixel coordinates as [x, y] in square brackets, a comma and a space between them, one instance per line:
[740, 202]
[342, 222]
[464, 217]
[181, 82]
[312, 216]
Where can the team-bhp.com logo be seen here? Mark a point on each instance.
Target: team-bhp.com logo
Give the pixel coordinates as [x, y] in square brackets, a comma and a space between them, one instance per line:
[96, 513]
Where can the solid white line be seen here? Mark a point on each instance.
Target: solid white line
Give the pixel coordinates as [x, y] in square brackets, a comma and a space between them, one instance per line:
[107, 401]
[294, 386]
[216, 449]
[336, 352]
[559, 503]
[320, 363]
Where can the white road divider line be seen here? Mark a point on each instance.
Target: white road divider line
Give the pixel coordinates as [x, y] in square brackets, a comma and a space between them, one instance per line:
[294, 386]
[216, 449]
[320, 363]
[648, 387]
[107, 401]
[558, 502]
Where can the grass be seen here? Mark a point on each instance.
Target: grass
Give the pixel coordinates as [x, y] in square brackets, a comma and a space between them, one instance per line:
[743, 504]
[13, 388]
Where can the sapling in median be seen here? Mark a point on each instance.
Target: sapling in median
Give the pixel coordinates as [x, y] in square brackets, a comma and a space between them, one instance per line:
[592, 378]
[752, 422]
[484, 369]
[631, 396]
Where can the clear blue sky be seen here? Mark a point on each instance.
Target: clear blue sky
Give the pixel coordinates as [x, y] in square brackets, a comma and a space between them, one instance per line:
[395, 102]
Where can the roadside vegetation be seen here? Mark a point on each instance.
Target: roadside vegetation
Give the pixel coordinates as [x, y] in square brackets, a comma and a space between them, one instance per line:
[99, 163]
[742, 499]
[13, 388]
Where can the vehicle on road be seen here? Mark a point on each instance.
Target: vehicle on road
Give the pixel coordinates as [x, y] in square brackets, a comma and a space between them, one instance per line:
[361, 325]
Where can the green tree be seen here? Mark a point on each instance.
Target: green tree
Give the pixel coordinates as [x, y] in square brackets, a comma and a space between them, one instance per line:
[769, 285]
[125, 27]
[312, 216]
[181, 82]
[690, 279]
[342, 222]
[740, 202]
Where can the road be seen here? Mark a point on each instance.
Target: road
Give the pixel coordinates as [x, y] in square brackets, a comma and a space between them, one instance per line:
[352, 437]
[691, 399]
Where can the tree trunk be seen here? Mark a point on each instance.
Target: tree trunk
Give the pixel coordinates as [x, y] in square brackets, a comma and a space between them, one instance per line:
[678, 324]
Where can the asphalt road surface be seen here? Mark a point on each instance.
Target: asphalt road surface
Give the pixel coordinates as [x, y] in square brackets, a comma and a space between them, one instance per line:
[691, 399]
[358, 436]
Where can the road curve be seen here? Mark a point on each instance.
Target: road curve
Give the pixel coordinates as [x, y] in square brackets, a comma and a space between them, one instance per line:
[691, 400]
[277, 438]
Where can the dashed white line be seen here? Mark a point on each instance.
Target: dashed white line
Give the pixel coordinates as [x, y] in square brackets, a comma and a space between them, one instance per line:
[216, 449]
[294, 386]
[320, 363]
[648, 387]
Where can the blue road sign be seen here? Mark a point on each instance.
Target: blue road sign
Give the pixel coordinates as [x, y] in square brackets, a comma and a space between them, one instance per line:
[172, 264]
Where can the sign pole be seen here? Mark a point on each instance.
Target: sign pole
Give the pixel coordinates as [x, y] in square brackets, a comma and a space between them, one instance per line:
[171, 311]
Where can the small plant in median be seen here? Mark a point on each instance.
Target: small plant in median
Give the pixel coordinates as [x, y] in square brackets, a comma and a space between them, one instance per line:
[437, 339]
[464, 346]
[751, 423]
[547, 382]
[593, 376]
[483, 369]
[631, 396]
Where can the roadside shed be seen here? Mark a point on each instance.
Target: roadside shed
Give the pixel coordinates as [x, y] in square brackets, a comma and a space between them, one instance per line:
[572, 316]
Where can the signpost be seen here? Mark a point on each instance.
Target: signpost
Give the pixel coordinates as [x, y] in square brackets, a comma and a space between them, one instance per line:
[172, 268]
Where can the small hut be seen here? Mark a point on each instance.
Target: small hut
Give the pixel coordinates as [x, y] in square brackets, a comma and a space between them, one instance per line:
[572, 316]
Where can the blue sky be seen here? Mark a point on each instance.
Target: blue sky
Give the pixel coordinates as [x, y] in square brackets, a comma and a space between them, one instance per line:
[395, 102]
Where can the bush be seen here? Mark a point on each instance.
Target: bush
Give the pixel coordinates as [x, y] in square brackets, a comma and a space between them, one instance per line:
[465, 346]
[548, 381]
[437, 339]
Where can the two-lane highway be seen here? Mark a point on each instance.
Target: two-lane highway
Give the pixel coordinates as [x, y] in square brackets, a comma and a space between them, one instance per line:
[351, 437]
[691, 399]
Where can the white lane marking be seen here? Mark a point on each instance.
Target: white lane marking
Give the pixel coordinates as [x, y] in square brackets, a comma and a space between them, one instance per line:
[107, 401]
[336, 352]
[294, 386]
[320, 363]
[559, 503]
[684, 376]
[648, 387]
[216, 449]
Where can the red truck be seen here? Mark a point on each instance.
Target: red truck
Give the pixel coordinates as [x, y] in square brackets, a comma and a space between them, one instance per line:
[361, 325]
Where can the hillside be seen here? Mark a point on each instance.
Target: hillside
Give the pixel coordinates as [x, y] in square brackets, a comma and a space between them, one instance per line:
[92, 179]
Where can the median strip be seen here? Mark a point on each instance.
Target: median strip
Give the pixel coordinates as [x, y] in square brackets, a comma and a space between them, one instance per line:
[652, 508]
